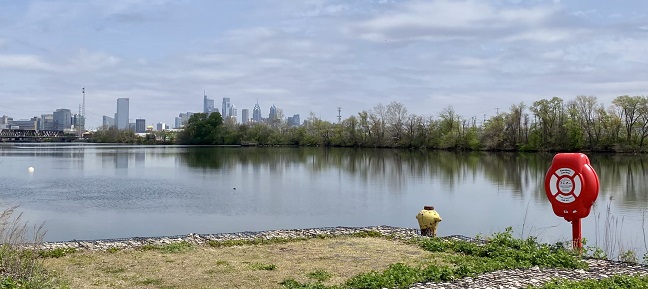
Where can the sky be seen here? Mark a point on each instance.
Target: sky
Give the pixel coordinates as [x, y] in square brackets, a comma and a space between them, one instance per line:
[313, 56]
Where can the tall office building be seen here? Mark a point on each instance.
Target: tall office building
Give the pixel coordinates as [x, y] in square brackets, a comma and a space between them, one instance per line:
[232, 113]
[227, 105]
[245, 115]
[47, 122]
[108, 122]
[177, 122]
[140, 125]
[273, 113]
[294, 120]
[208, 104]
[121, 118]
[256, 113]
[62, 119]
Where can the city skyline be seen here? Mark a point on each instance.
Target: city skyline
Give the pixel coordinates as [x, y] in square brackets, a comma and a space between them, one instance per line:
[477, 56]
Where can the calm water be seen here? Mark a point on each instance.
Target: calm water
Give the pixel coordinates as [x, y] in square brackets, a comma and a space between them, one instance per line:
[97, 192]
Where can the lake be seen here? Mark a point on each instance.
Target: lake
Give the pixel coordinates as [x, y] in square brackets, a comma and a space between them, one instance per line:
[87, 191]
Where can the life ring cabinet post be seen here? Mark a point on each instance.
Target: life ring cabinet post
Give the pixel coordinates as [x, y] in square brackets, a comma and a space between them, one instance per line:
[572, 186]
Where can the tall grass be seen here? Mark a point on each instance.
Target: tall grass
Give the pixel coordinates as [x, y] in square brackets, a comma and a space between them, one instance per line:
[20, 265]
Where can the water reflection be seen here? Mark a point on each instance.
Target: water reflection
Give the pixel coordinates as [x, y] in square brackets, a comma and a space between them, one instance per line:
[623, 176]
[194, 187]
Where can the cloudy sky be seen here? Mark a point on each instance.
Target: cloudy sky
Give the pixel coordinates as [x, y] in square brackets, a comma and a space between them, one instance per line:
[313, 56]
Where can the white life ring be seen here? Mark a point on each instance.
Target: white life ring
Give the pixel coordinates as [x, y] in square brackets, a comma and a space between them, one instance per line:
[565, 185]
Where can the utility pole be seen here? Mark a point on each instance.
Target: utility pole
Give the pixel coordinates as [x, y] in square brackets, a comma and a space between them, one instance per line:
[339, 114]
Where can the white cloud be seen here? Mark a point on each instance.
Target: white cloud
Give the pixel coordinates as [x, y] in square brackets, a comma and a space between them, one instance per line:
[91, 61]
[445, 19]
[25, 62]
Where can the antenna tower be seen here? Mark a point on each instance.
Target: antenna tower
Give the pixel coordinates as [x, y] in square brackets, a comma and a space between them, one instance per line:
[339, 114]
[83, 115]
[78, 123]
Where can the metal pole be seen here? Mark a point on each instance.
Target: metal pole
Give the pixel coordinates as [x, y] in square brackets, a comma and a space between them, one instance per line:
[576, 234]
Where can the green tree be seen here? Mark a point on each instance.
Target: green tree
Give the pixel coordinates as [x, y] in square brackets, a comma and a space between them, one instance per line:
[202, 129]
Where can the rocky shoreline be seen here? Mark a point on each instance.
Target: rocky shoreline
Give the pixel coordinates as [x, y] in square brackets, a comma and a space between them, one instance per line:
[518, 278]
[193, 238]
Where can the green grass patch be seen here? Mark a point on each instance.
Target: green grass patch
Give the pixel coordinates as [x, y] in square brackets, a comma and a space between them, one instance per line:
[149, 281]
[257, 241]
[113, 250]
[56, 253]
[319, 275]
[168, 248]
[464, 259]
[262, 266]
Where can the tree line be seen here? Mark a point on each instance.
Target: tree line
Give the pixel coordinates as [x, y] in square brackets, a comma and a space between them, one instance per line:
[580, 124]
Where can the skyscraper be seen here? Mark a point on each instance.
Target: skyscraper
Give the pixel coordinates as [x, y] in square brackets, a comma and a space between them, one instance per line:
[108, 122]
[232, 113]
[140, 125]
[245, 115]
[273, 113]
[227, 105]
[121, 118]
[47, 122]
[62, 119]
[208, 104]
[256, 113]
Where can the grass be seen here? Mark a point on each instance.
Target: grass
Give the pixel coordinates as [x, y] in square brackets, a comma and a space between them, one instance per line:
[20, 262]
[243, 265]
[357, 261]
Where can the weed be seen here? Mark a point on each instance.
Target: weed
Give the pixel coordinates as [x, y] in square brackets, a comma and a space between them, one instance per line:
[56, 253]
[113, 250]
[502, 251]
[319, 275]
[20, 260]
[222, 263]
[149, 281]
[257, 241]
[367, 234]
[261, 266]
[168, 248]
[114, 270]
[629, 256]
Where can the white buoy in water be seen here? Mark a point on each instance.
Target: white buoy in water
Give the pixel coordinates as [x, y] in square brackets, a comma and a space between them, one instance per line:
[30, 169]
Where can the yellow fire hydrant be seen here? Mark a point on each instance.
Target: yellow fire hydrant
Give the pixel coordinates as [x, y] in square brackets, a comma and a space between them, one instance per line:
[428, 220]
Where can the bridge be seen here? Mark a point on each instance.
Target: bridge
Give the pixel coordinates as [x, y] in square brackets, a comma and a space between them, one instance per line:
[29, 135]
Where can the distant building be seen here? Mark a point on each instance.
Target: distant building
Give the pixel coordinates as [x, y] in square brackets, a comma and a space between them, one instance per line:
[177, 122]
[245, 116]
[256, 113]
[62, 119]
[131, 126]
[5, 120]
[208, 104]
[272, 116]
[47, 122]
[232, 113]
[227, 105]
[162, 126]
[108, 122]
[294, 120]
[140, 125]
[26, 124]
[122, 116]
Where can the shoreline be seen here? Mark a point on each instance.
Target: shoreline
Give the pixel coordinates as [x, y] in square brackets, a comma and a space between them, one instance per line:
[194, 238]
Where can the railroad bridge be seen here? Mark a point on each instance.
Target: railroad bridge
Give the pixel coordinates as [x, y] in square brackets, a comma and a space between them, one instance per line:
[29, 135]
